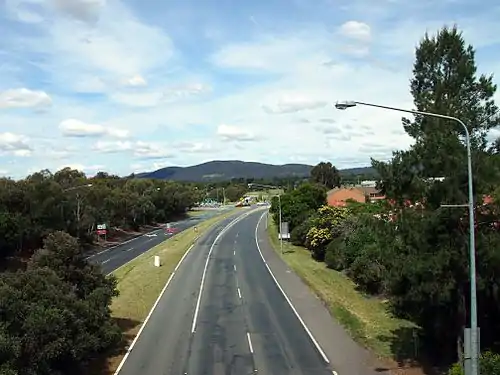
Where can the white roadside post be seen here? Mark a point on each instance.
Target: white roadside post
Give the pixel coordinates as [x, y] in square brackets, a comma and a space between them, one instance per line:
[157, 261]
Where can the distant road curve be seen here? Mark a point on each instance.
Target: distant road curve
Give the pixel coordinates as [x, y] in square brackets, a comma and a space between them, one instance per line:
[114, 257]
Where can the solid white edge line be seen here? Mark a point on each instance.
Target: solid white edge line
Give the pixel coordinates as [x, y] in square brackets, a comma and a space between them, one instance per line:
[249, 342]
[151, 312]
[316, 344]
[180, 261]
[197, 308]
[144, 324]
[239, 293]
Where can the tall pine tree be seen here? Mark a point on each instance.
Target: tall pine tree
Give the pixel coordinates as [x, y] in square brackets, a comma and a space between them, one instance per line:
[433, 287]
[445, 81]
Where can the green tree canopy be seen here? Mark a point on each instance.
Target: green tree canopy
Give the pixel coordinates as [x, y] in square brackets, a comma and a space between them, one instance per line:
[326, 174]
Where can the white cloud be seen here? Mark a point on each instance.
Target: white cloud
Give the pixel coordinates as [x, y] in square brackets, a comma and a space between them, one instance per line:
[81, 167]
[136, 80]
[109, 147]
[194, 147]
[294, 102]
[145, 150]
[15, 144]
[356, 30]
[140, 149]
[233, 133]
[77, 128]
[159, 96]
[24, 98]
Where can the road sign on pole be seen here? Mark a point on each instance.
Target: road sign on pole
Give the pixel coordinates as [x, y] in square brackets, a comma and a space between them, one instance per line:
[285, 231]
[101, 229]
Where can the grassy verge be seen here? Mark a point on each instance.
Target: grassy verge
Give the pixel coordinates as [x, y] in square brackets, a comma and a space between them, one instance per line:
[367, 319]
[140, 283]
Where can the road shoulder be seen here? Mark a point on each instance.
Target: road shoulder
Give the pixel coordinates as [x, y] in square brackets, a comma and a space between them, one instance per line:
[345, 355]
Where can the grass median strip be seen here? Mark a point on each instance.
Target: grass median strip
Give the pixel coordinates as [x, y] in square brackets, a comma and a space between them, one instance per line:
[366, 318]
[140, 283]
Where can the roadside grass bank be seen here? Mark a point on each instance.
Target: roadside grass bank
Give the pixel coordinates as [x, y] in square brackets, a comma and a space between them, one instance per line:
[366, 318]
[140, 283]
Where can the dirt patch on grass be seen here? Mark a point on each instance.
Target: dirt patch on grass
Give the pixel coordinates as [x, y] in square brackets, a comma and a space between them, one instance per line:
[367, 319]
[140, 284]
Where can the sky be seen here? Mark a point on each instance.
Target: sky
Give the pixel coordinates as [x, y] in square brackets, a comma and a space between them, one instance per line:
[137, 85]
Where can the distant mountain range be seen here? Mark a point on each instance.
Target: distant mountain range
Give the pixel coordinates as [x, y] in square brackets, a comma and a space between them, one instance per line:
[233, 169]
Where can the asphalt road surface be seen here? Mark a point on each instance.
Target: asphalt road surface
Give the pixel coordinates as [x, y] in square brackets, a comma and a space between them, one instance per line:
[223, 314]
[115, 257]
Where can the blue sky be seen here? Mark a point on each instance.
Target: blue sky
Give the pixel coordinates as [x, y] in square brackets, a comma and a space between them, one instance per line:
[137, 85]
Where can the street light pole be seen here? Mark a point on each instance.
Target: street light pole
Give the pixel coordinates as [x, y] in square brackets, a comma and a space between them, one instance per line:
[474, 350]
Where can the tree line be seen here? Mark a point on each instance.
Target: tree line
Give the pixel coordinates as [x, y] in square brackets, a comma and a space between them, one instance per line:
[409, 249]
[68, 201]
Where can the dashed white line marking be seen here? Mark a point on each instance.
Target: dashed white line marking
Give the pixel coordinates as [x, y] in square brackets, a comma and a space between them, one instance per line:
[105, 261]
[239, 293]
[130, 249]
[234, 252]
[314, 341]
[249, 342]
[334, 372]
[197, 308]
[234, 266]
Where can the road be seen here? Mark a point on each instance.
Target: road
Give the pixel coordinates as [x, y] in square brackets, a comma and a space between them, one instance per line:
[115, 257]
[223, 314]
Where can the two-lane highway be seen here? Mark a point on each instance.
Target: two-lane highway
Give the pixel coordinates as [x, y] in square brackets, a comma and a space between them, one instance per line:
[112, 258]
[222, 313]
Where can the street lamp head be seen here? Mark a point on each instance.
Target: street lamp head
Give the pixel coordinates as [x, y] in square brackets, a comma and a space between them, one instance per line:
[345, 104]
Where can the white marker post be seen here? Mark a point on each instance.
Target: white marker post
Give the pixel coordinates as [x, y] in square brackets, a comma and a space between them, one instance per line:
[157, 261]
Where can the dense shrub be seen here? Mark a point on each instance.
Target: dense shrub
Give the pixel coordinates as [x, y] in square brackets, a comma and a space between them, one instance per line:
[489, 364]
[55, 315]
[299, 233]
